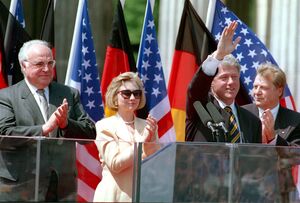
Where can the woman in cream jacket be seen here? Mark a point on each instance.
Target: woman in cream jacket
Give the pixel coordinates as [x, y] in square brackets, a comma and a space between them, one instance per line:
[116, 136]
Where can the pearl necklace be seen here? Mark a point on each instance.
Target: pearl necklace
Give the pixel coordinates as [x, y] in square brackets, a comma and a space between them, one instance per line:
[129, 122]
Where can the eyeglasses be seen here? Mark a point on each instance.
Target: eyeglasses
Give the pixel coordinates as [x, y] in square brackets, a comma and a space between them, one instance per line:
[126, 94]
[41, 64]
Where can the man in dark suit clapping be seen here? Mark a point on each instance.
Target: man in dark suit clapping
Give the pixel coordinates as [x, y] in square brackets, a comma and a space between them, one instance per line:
[37, 107]
[280, 126]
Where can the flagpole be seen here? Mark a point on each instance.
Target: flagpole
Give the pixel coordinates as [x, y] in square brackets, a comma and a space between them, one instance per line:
[210, 14]
[13, 6]
[152, 2]
[74, 41]
[209, 21]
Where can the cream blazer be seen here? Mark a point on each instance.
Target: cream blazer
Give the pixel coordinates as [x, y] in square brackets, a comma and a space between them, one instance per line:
[116, 153]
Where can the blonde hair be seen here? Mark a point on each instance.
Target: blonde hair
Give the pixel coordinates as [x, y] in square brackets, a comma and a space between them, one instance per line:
[116, 83]
[273, 74]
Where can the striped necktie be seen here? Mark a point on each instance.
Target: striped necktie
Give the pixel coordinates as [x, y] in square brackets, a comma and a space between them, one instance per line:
[233, 131]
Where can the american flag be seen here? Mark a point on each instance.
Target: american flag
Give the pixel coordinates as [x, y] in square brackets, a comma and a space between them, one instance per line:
[250, 52]
[151, 72]
[16, 9]
[83, 74]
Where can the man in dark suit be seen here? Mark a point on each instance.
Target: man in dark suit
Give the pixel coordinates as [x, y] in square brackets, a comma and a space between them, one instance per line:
[217, 81]
[280, 126]
[34, 108]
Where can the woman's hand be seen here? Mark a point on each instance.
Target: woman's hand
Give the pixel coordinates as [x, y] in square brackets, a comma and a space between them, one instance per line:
[149, 131]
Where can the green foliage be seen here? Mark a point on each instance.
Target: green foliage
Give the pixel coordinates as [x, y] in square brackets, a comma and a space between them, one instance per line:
[134, 12]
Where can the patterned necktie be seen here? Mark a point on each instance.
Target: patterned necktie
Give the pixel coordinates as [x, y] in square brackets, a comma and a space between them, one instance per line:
[234, 133]
[44, 103]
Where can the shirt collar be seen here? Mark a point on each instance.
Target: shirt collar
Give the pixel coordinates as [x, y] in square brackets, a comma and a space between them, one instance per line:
[223, 105]
[274, 111]
[33, 89]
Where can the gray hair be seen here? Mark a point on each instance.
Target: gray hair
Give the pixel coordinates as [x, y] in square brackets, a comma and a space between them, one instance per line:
[230, 60]
[22, 56]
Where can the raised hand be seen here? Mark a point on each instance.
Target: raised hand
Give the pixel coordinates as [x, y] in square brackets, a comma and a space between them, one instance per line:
[226, 44]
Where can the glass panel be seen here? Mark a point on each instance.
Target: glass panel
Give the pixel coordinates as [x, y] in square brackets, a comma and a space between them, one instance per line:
[219, 172]
[17, 169]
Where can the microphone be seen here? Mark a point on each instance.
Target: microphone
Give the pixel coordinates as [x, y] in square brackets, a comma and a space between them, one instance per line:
[204, 116]
[216, 116]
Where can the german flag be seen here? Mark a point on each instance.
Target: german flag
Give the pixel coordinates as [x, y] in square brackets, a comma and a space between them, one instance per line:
[119, 57]
[47, 32]
[193, 44]
[13, 36]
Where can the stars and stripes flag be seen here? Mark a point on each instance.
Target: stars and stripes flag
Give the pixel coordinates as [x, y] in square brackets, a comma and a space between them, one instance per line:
[250, 52]
[150, 70]
[83, 75]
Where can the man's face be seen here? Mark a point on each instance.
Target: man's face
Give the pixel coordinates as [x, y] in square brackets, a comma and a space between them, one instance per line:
[38, 67]
[226, 83]
[266, 95]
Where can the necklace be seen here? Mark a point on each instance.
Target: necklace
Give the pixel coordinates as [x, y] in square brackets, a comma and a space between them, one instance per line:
[129, 122]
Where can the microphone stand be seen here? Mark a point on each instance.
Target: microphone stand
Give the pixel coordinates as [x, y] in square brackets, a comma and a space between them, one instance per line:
[219, 131]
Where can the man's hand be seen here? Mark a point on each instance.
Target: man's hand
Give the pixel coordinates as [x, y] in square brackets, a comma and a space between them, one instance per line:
[226, 44]
[61, 114]
[59, 118]
[268, 123]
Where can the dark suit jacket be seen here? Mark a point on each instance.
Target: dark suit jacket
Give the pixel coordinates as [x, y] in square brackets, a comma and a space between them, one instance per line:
[199, 90]
[287, 125]
[21, 116]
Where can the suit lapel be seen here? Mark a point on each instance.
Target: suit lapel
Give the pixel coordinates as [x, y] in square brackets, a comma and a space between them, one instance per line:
[30, 103]
[255, 110]
[280, 122]
[224, 114]
[55, 98]
[122, 131]
[244, 124]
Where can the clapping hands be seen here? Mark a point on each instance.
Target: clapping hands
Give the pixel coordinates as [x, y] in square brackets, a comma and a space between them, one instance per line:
[59, 118]
[268, 123]
[150, 130]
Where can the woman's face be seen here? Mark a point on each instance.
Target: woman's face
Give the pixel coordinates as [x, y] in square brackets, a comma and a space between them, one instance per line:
[128, 96]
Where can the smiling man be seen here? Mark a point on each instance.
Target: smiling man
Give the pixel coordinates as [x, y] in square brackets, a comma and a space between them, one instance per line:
[218, 81]
[280, 126]
[39, 107]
